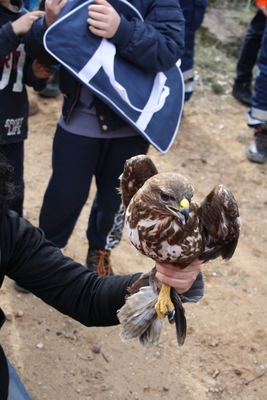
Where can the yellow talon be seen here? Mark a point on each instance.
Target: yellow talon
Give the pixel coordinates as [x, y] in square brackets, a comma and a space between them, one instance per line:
[164, 304]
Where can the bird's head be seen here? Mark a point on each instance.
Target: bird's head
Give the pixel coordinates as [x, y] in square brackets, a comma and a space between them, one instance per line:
[181, 210]
[170, 192]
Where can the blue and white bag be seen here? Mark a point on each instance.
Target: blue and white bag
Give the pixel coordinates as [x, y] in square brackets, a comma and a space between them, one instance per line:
[151, 103]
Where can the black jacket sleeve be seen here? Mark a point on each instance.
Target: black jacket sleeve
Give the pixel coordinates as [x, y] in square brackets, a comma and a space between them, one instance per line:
[9, 41]
[39, 266]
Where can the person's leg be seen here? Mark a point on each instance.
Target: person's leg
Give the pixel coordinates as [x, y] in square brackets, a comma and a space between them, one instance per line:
[193, 13]
[14, 153]
[74, 161]
[257, 115]
[16, 389]
[247, 59]
[248, 55]
[106, 219]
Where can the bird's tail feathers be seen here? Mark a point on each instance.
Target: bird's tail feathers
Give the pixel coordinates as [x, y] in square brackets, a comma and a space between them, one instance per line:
[138, 318]
[179, 317]
[152, 333]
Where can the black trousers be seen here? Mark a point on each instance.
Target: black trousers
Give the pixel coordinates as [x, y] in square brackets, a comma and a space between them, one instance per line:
[251, 45]
[75, 161]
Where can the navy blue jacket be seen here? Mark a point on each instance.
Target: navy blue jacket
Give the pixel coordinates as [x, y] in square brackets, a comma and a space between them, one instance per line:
[155, 45]
[15, 72]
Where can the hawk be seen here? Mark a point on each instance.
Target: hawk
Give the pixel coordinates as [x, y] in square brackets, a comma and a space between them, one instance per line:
[164, 223]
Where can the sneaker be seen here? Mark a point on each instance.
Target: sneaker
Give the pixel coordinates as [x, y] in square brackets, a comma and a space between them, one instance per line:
[257, 151]
[98, 261]
[20, 288]
[242, 93]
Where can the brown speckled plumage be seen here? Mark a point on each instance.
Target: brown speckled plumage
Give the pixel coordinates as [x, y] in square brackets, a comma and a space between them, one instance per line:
[165, 224]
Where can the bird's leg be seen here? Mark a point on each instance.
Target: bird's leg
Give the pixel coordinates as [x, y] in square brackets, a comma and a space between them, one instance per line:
[164, 305]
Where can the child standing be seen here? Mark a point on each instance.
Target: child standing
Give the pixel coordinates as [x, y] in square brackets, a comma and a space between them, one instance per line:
[16, 70]
[90, 139]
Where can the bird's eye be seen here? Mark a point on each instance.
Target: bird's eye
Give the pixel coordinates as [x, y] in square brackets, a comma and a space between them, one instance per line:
[165, 196]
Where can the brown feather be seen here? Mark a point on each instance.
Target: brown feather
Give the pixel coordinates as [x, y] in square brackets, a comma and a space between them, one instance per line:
[137, 170]
[160, 228]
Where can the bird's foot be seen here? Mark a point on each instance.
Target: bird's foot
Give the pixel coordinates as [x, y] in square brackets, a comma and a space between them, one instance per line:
[164, 305]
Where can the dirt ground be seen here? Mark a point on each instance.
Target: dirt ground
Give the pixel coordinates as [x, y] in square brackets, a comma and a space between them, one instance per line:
[225, 352]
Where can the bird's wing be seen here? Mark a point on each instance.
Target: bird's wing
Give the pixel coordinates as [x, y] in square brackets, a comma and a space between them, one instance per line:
[137, 170]
[220, 222]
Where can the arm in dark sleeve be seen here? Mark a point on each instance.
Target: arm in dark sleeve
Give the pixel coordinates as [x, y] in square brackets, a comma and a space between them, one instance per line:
[156, 43]
[40, 267]
[9, 41]
[34, 46]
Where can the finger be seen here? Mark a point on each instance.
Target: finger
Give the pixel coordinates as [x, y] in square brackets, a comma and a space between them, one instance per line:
[95, 16]
[180, 285]
[94, 24]
[37, 13]
[97, 32]
[98, 24]
[170, 273]
[174, 272]
[97, 9]
[167, 267]
[102, 2]
[101, 7]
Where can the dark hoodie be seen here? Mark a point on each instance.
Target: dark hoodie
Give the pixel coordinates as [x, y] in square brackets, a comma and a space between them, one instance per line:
[15, 73]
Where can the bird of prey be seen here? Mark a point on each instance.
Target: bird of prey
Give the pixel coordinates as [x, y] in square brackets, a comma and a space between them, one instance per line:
[164, 223]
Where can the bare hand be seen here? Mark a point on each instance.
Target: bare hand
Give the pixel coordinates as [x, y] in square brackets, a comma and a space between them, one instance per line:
[22, 25]
[41, 71]
[180, 279]
[103, 19]
[52, 10]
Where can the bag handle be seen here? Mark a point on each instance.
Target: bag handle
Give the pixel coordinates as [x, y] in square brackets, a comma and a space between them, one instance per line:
[104, 57]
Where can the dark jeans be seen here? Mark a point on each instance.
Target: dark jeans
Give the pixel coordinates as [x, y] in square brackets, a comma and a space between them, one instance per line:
[258, 111]
[193, 11]
[248, 55]
[75, 161]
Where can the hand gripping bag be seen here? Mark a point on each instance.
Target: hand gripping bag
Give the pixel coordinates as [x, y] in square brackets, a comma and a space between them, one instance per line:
[151, 103]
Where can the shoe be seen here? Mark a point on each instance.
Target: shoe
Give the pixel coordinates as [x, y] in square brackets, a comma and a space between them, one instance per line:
[33, 107]
[98, 261]
[242, 93]
[257, 151]
[52, 87]
[20, 288]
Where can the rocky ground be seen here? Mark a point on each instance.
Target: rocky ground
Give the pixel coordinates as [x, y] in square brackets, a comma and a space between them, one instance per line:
[225, 352]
